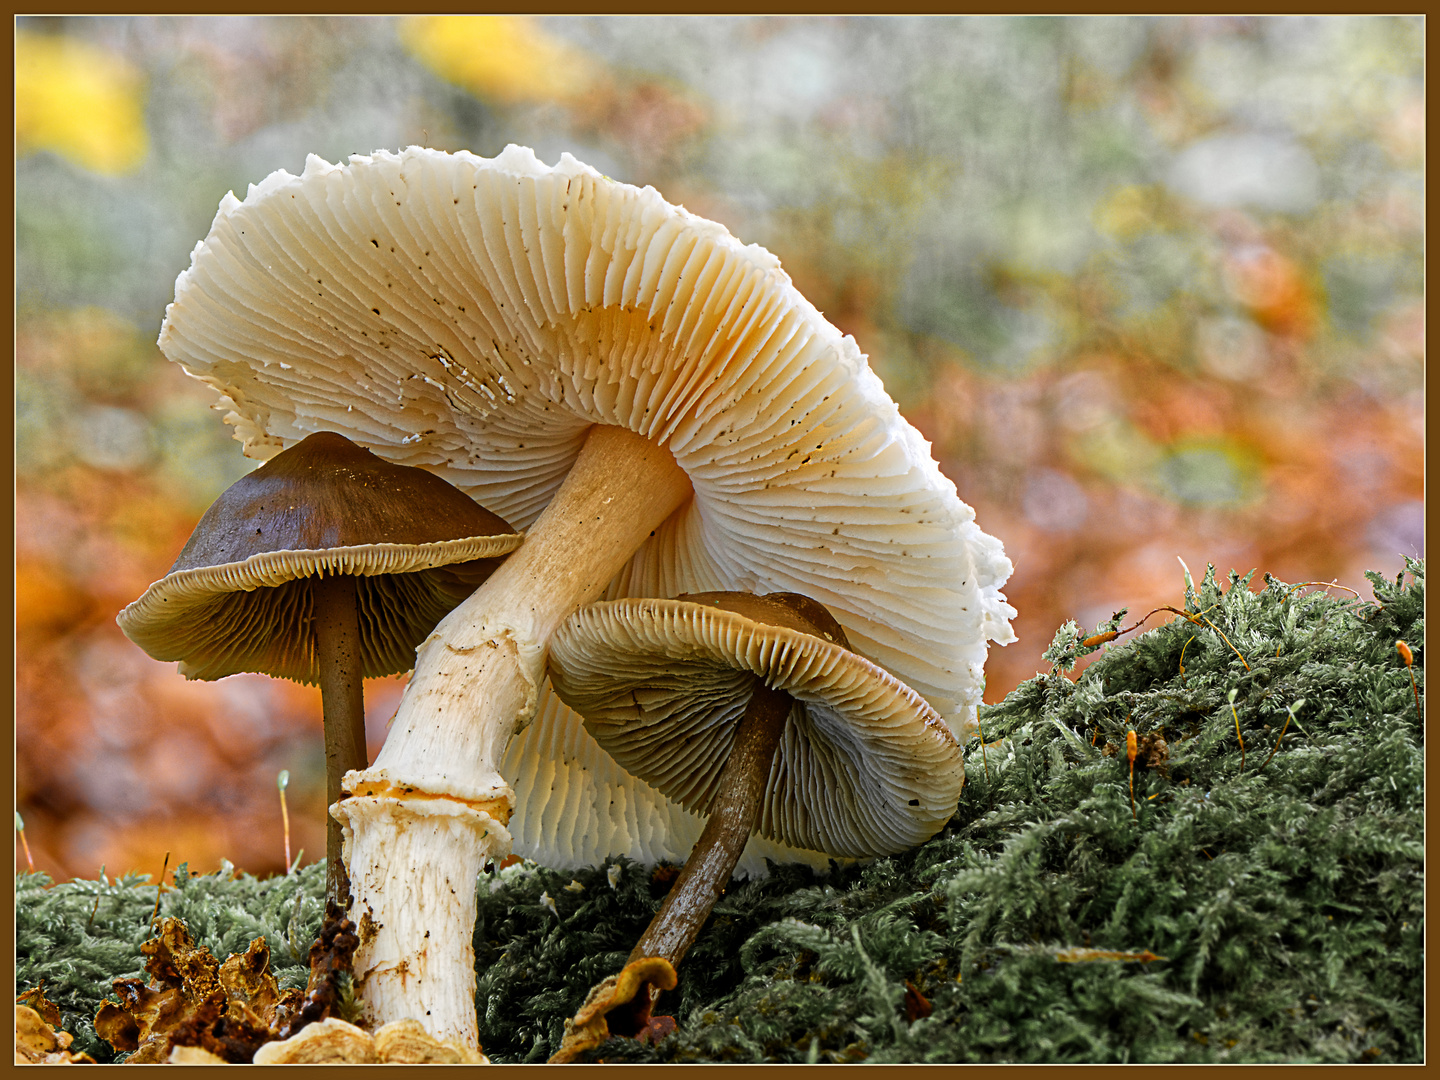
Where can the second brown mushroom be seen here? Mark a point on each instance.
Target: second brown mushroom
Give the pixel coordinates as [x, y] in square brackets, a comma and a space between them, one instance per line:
[326, 565]
[755, 711]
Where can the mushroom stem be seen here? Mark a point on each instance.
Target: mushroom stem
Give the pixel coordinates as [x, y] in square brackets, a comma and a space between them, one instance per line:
[336, 621]
[734, 810]
[478, 674]
[475, 684]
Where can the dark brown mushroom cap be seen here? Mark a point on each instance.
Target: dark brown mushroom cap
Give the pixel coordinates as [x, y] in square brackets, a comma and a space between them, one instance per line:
[865, 766]
[238, 597]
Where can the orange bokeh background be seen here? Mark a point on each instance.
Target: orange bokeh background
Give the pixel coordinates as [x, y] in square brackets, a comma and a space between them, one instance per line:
[1123, 354]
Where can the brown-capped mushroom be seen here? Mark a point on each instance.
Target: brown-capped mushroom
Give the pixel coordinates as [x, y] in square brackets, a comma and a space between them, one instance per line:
[327, 564]
[755, 711]
[650, 398]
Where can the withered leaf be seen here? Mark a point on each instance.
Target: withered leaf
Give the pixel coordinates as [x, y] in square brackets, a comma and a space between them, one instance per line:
[187, 1003]
[246, 978]
[228, 1010]
[620, 1005]
[917, 1005]
[35, 998]
[37, 1043]
[331, 975]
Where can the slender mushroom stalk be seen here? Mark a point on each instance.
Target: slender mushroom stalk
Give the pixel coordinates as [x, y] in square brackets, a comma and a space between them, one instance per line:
[421, 822]
[621, 1005]
[336, 626]
[733, 814]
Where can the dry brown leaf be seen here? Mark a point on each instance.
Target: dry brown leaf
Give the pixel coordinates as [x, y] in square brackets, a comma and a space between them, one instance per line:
[35, 998]
[227, 1010]
[183, 980]
[37, 1042]
[626, 998]
[331, 1040]
[917, 1005]
[407, 1042]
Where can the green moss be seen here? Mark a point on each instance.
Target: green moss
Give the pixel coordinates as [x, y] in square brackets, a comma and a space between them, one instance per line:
[1284, 900]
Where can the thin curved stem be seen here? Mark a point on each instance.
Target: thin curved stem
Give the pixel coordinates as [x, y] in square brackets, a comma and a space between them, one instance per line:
[336, 623]
[734, 811]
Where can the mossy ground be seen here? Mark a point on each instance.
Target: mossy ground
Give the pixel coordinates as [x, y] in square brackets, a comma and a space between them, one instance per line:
[1267, 913]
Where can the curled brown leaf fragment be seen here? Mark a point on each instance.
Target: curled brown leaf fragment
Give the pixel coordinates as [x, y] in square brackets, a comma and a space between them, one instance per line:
[183, 979]
[37, 1042]
[117, 1026]
[328, 993]
[229, 1011]
[35, 998]
[407, 1042]
[233, 1030]
[246, 977]
[917, 1005]
[624, 1001]
[329, 1040]
[228, 1030]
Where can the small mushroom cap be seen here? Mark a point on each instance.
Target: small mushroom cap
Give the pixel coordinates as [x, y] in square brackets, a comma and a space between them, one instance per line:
[865, 766]
[238, 597]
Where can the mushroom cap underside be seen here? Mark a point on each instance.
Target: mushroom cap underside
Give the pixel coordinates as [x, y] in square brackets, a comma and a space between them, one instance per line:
[476, 316]
[256, 615]
[576, 806]
[865, 767]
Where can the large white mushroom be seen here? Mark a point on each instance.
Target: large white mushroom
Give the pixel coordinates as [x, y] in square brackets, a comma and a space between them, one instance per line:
[650, 399]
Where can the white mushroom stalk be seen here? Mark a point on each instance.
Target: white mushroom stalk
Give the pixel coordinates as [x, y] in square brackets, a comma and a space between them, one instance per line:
[488, 318]
[435, 787]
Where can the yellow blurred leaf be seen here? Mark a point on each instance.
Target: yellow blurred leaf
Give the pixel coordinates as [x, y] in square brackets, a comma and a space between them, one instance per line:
[507, 58]
[1127, 212]
[83, 102]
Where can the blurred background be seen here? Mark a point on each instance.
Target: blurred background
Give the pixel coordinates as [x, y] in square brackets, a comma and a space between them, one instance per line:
[1152, 288]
